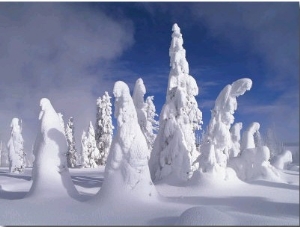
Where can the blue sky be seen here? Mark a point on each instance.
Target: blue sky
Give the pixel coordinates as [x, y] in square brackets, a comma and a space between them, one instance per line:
[72, 52]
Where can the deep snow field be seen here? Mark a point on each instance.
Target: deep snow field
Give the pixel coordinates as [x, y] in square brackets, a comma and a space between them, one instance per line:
[232, 202]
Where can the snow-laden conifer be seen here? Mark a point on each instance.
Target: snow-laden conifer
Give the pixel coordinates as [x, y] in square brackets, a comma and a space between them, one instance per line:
[72, 152]
[4, 155]
[127, 172]
[174, 148]
[15, 148]
[50, 174]
[152, 125]
[253, 161]
[104, 127]
[217, 140]
[90, 152]
[235, 132]
[272, 142]
[145, 112]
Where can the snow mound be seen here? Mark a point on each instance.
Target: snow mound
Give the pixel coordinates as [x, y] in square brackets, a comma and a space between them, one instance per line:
[127, 173]
[204, 215]
[50, 174]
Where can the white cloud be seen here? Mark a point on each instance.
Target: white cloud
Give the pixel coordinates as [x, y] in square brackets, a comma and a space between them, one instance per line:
[48, 51]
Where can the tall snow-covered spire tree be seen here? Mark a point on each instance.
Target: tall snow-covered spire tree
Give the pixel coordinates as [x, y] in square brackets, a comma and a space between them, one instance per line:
[217, 141]
[145, 112]
[90, 152]
[15, 148]
[174, 148]
[104, 127]
[72, 152]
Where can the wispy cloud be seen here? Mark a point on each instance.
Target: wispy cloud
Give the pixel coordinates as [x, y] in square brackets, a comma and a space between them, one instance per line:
[48, 50]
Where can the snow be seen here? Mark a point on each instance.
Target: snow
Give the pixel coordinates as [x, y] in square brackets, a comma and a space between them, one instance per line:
[230, 182]
[260, 202]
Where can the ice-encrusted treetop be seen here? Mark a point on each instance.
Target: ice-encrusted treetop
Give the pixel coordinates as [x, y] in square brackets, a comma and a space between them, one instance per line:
[15, 126]
[122, 95]
[178, 63]
[248, 136]
[138, 93]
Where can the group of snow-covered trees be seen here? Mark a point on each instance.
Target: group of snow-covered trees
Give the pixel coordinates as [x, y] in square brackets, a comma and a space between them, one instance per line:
[144, 150]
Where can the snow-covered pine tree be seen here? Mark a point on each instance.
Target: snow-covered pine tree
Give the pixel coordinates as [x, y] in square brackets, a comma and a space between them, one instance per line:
[15, 148]
[104, 127]
[253, 161]
[174, 149]
[235, 132]
[127, 173]
[217, 141]
[145, 112]
[4, 156]
[152, 125]
[272, 142]
[71, 153]
[90, 151]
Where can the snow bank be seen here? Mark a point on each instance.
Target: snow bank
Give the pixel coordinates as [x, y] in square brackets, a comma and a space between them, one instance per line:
[204, 215]
[50, 174]
[127, 172]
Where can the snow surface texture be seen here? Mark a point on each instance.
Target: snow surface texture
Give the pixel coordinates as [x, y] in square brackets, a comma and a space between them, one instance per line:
[104, 127]
[50, 174]
[215, 149]
[127, 172]
[174, 149]
[260, 202]
[15, 148]
[253, 162]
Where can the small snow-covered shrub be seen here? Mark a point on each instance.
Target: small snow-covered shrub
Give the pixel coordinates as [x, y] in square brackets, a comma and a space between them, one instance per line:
[283, 161]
